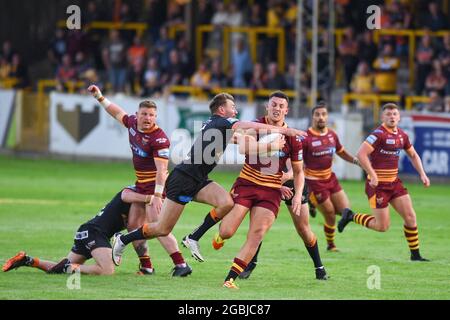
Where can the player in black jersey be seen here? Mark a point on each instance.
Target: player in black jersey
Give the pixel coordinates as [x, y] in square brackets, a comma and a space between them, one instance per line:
[189, 180]
[91, 240]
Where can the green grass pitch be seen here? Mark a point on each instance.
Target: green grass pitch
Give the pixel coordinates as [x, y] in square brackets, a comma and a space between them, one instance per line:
[42, 203]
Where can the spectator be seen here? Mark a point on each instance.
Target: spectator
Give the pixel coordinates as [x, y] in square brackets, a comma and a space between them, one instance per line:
[185, 55]
[66, 72]
[205, 12]
[152, 75]
[136, 76]
[201, 77]
[7, 51]
[424, 58]
[257, 81]
[58, 47]
[114, 59]
[75, 42]
[19, 71]
[434, 20]
[219, 20]
[5, 68]
[163, 47]
[274, 79]
[174, 74]
[363, 83]
[242, 64]
[217, 77]
[436, 103]
[289, 78]
[137, 53]
[91, 13]
[368, 50]
[81, 63]
[348, 51]
[386, 66]
[436, 80]
[255, 17]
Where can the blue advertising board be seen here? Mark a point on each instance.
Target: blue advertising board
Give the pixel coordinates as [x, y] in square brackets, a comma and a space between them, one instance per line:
[430, 135]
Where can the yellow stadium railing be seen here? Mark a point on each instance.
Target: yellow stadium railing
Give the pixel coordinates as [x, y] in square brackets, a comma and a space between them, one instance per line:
[139, 27]
[409, 103]
[376, 99]
[44, 84]
[8, 83]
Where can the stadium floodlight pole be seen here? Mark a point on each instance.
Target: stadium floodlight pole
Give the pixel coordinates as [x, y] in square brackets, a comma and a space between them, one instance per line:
[331, 51]
[298, 58]
[315, 45]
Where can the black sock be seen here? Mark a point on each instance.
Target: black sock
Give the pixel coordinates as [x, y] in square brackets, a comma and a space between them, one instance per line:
[255, 257]
[137, 234]
[207, 224]
[314, 254]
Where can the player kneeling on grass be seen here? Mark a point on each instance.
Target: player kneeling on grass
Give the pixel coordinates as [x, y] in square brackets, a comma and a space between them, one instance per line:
[91, 241]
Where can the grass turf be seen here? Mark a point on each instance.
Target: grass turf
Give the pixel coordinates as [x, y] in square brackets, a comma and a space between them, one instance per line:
[42, 203]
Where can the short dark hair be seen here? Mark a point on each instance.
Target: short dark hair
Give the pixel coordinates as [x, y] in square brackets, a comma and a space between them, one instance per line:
[320, 105]
[219, 100]
[279, 94]
[389, 106]
[148, 104]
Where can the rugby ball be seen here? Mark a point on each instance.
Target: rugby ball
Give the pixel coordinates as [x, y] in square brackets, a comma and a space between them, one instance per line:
[268, 139]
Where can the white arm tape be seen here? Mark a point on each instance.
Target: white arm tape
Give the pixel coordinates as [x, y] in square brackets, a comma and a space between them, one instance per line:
[104, 102]
[159, 189]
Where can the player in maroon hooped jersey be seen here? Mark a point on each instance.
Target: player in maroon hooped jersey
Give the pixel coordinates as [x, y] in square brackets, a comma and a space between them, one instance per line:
[150, 147]
[379, 156]
[325, 192]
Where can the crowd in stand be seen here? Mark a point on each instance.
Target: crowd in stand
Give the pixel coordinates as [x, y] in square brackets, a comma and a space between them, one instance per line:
[122, 61]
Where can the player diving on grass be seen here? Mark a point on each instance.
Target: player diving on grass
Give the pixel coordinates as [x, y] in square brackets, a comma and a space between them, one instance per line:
[379, 156]
[150, 148]
[91, 240]
[260, 187]
[189, 179]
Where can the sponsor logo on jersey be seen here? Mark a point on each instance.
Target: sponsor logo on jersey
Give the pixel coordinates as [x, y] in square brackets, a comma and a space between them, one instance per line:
[316, 143]
[380, 200]
[300, 155]
[138, 151]
[390, 141]
[161, 140]
[371, 139]
[133, 133]
[329, 151]
[331, 139]
[378, 131]
[390, 153]
[163, 153]
[144, 141]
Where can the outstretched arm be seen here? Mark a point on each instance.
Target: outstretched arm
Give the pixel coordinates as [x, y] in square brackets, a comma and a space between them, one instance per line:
[249, 145]
[348, 157]
[244, 125]
[113, 109]
[417, 163]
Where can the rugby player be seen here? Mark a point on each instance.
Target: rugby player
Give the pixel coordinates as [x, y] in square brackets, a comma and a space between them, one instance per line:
[325, 192]
[251, 186]
[91, 241]
[189, 180]
[379, 156]
[150, 147]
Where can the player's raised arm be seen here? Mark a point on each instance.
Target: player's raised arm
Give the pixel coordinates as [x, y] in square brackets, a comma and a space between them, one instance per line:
[244, 125]
[417, 163]
[363, 156]
[113, 109]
